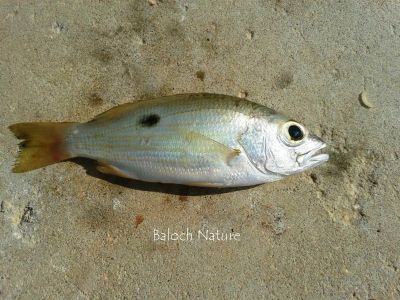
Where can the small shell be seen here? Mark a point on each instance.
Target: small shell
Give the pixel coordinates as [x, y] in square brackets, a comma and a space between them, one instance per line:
[364, 100]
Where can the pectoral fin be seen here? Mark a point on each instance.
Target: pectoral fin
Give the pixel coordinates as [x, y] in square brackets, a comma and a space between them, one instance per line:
[200, 143]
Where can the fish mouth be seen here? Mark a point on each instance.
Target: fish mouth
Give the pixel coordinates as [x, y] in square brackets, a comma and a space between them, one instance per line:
[312, 158]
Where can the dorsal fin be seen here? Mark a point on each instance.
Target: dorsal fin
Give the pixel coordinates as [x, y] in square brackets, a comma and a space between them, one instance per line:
[117, 111]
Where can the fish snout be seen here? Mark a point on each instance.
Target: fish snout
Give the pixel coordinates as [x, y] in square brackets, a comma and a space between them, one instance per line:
[311, 157]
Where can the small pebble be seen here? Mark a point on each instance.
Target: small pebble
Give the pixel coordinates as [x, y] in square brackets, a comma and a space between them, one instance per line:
[58, 27]
[242, 94]
[152, 2]
[28, 215]
[365, 101]
[250, 34]
[116, 203]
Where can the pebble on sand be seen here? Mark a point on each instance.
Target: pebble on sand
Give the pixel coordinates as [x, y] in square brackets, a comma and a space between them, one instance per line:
[242, 94]
[249, 34]
[365, 101]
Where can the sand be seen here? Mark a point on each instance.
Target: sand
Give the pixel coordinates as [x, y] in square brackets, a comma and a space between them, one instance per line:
[328, 233]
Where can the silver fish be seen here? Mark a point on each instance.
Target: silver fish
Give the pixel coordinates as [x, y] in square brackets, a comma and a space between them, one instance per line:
[193, 139]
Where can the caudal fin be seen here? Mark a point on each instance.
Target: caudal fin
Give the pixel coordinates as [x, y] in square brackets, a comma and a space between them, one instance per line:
[43, 144]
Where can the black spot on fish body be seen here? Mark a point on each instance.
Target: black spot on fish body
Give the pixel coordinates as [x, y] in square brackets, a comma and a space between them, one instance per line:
[149, 120]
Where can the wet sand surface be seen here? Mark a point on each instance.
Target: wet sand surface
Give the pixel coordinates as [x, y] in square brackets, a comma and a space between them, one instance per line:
[329, 233]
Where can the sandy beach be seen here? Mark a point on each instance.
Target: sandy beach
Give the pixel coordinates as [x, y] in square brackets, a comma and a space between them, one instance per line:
[67, 231]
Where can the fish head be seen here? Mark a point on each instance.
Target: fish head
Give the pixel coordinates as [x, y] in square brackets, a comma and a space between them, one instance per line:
[290, 148]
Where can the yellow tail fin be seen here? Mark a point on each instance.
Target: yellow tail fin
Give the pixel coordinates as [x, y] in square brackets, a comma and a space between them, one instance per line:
[43, 144]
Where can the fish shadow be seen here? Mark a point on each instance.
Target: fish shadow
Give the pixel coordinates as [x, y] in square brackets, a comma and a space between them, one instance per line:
[166, 188]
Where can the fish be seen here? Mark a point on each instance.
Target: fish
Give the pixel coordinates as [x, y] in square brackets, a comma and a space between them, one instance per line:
[207, 140]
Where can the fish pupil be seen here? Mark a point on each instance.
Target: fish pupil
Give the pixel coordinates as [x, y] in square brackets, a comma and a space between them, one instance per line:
[295, 132]
[149, 120]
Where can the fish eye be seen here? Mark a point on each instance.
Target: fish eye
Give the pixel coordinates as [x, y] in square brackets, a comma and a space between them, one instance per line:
[295, 132]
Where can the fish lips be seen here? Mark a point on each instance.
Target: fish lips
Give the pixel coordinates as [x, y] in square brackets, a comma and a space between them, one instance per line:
[312, 158]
